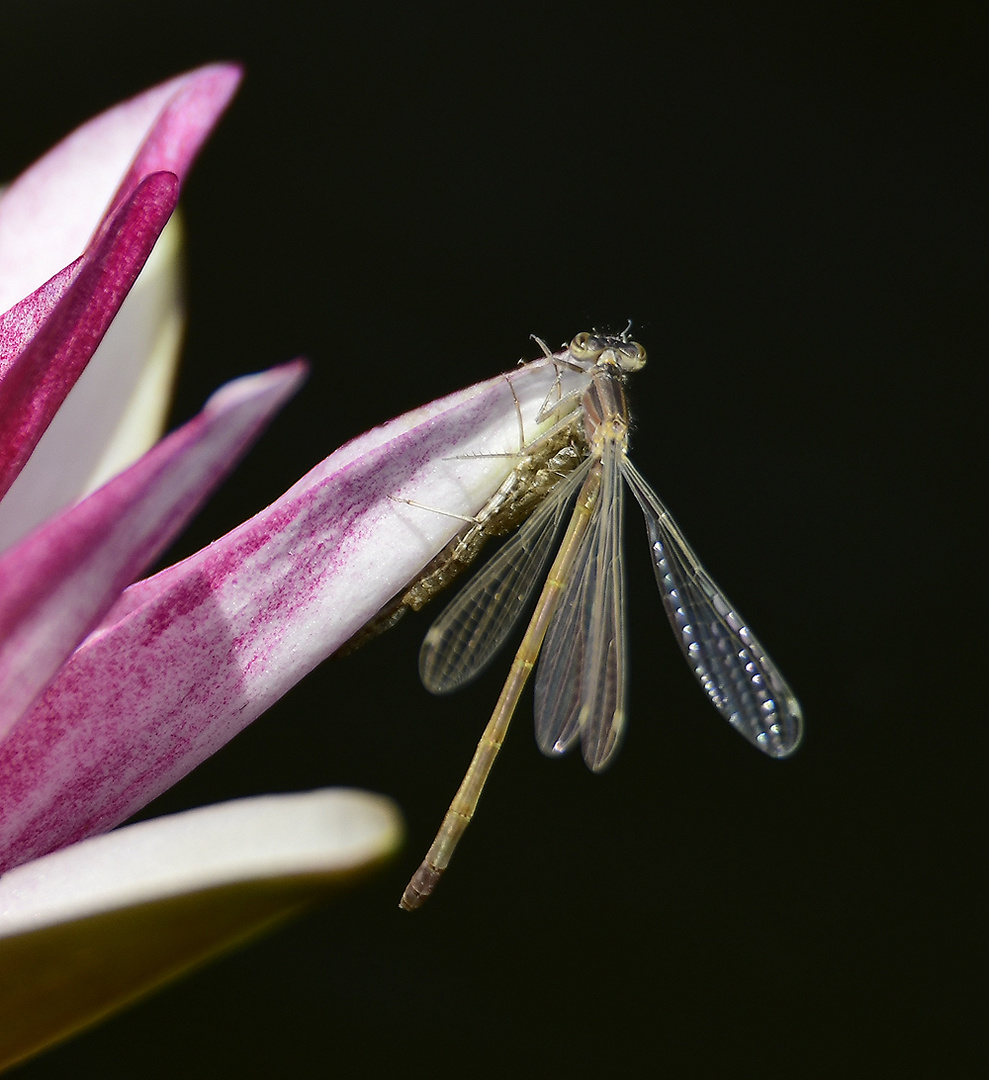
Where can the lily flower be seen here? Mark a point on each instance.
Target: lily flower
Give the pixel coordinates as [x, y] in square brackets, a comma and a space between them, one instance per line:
[88, 503]
[112, 689]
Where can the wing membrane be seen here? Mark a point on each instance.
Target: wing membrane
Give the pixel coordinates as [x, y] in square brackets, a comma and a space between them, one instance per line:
[580, 684]
[466, 636]
[725, 656]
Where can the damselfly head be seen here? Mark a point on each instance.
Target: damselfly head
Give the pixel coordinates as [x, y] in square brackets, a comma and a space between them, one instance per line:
[610, 350]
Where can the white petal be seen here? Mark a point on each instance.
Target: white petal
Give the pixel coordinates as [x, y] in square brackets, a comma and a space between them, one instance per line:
[87, 929]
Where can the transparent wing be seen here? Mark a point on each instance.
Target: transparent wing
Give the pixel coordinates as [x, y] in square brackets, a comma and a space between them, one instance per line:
[563, 658]
[465, 637]
[723, 653]
[580, 684]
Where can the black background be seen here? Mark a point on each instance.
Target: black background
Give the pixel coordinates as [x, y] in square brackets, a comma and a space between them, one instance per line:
[785, 199]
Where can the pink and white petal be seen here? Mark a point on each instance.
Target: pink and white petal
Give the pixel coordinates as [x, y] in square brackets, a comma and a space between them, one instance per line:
[49, 214]
[85, 931]
[117, 408]
[151, 325]
[37, 381]
[19, 324]
[57, 583]
[188, 658]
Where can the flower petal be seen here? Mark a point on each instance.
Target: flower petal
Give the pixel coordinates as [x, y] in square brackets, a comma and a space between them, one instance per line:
[189, 657]
[60, 581]
[35, 383]
[87, 930]
[48, 215]
[117, 408]
[149, 325]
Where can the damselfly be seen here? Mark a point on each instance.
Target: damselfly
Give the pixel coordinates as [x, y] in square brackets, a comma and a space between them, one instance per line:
[580, 686]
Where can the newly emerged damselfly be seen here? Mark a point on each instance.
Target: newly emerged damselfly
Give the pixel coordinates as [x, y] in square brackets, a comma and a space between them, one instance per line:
[579, 620]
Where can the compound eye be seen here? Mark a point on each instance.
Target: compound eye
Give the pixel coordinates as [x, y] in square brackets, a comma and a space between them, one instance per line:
[585, 347]
[633, 356]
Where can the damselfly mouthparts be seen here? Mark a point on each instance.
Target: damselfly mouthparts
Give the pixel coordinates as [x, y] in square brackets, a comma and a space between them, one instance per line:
[579, 619]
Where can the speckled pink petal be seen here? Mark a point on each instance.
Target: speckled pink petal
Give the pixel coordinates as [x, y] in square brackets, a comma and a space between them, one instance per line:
[58, 583]
[188, 658]
[49, 213]
[71, 242]
[34, 383]
[117, 410]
